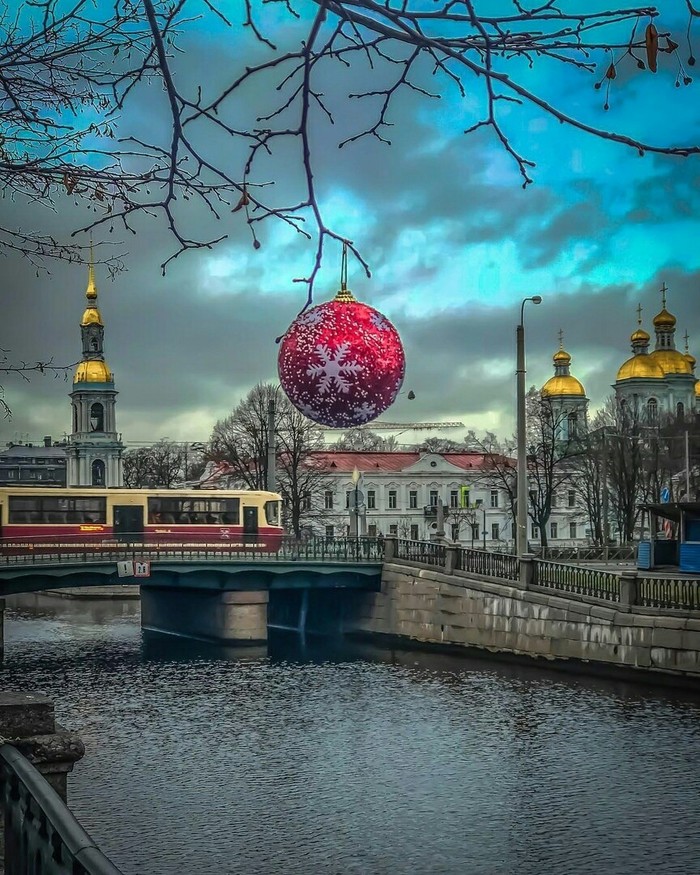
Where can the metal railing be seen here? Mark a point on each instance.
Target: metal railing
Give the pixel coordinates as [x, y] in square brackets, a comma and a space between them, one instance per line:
[42, 837]
[426, 552]
[665, 592]
[501, 565]
[315, 549]
[577, 579]
[627, 553]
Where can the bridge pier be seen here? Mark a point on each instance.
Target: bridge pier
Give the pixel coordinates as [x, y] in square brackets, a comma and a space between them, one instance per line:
[232, 617]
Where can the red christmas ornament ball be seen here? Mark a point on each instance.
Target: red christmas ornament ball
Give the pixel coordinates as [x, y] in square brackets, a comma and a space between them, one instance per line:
[341, 363]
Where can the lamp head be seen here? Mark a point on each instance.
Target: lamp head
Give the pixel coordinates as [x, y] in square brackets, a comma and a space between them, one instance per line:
[536, 299]
[411, 395]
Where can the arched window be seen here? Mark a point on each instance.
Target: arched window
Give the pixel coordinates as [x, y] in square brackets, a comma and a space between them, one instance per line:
[652, 409]
[680, 410]
[573, 425]
[75, 419]
[98, 473]
[97, 417]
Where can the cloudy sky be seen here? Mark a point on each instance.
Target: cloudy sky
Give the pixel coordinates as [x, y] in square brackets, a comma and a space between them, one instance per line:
[453, 241]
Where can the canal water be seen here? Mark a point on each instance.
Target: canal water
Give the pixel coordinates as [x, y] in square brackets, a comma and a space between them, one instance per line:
[325, 757]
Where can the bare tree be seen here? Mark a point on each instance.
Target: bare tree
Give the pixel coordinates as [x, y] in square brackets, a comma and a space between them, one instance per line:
[64, 61]
[161, 465]
[241, 439]
[499, 468]
[24, 370]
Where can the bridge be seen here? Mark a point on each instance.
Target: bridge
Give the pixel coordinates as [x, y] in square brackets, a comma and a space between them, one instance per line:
[205, 591]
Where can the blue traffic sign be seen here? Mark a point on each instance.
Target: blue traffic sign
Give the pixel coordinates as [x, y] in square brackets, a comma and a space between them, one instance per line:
[665, 493]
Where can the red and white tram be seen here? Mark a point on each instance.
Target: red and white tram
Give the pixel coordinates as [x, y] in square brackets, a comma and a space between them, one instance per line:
[82, 518]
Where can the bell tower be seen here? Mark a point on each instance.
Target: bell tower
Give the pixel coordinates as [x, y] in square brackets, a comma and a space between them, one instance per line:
[94, 448]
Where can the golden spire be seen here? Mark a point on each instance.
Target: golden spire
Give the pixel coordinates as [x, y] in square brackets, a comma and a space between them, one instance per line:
[663, 295]
[91, 293]
[686, 337]
[639, 337]
[561, 338]
[639, 313]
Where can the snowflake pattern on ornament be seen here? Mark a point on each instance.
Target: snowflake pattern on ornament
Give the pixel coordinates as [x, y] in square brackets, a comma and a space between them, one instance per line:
[332, 368]
[379, 322]
[313, 317]
[365, 412]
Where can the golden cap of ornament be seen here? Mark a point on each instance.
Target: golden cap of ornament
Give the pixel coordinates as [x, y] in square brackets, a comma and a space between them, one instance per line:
[345, 296]
[561, 357]
[93, 371]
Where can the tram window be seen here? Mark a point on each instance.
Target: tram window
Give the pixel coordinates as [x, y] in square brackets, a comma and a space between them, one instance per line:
[272, 513]
[54, 509]
[194, 511]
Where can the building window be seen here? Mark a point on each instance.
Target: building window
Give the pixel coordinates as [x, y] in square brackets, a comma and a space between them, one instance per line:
[514, 530]
[348, 494]
[454, 498]
[572, 530]
[413, 499]
[393, 530]
[553, 530]
[534, 532]
[494, 498]
[455, 532]
[680, 410]
[414, 532]
[479, 502]
[98, 473]
[392, 499]
[372, 530]
[433, 497]
[328, 499]
[475, 531]
[572, 498]
[306, 501]
[572, 421]
[330, 531]
[495, 531]
[652, 409]
[553, 502]
[97, 417]
[371, 499]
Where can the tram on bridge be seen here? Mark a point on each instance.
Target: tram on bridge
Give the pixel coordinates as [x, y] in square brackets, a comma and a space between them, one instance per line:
[87, 518]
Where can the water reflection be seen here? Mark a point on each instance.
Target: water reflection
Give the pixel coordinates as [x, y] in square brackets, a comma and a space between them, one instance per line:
[318, 755]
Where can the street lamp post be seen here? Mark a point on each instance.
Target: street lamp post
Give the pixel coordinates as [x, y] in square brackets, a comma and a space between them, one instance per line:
[521, 431]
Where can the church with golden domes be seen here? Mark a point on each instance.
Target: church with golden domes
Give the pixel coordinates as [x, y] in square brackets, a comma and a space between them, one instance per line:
[660, 382]
[94, 450]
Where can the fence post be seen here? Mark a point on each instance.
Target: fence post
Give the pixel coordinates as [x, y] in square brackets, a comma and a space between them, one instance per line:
[450, 559]
[527, 570]
[629, 591]
[390, 545]
[27, 722]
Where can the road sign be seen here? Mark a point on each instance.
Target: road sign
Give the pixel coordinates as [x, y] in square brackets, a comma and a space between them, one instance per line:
[665, 494]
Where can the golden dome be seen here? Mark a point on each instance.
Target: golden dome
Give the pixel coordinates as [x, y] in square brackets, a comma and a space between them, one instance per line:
[671, 361]
[92, 372]
[697, 388]
[565, 385]
[561, 357]
[690, 358]
[640, 335]
[641, 367]
[91, 316]
[664, 319]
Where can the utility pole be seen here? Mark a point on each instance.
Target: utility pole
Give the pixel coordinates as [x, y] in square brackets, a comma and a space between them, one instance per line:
[687, 466]
[522, 487]
[604, 472]
[271, 447]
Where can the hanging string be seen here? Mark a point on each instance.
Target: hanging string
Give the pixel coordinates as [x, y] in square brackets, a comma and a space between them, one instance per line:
[344, 268]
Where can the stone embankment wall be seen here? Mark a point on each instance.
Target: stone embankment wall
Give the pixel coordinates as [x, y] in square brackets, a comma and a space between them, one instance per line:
[460, 609]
